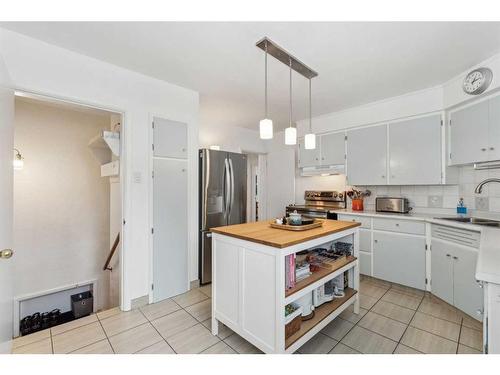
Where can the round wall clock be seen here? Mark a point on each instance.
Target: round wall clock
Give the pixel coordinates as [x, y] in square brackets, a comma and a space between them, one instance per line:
[477, 81]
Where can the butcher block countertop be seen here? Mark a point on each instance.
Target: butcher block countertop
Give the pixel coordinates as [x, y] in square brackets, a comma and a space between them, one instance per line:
[261, 232]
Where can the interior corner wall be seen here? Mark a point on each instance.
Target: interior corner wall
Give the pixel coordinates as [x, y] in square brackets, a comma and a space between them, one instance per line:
[61, 202]
[45, 69]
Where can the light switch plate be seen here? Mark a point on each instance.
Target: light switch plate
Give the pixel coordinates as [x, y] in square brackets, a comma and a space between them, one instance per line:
[435, 201]
[482, 204]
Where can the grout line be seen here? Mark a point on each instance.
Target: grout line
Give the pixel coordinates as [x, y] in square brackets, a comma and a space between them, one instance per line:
[406, 329]
[154, 327]
[460, 333]
[71, 352]
[149, 346]
[106, 334]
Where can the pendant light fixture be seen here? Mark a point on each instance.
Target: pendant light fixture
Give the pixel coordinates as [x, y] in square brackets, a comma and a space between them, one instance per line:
[291, 132]
[310, 138]
[266, 125]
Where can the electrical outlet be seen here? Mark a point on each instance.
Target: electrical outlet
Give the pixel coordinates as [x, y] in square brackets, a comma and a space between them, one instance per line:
[482, 204]
[435, 201]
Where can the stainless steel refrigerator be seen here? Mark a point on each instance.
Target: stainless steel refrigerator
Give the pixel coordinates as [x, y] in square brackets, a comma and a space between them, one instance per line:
[223, 199]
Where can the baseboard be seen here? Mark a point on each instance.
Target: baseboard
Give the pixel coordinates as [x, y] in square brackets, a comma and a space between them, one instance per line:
[6, 347]
[139, 302]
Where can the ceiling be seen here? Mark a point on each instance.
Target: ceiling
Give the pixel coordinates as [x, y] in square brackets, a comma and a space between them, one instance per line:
[357, 62]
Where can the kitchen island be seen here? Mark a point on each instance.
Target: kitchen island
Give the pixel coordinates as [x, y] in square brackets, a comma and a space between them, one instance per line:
[248, 281]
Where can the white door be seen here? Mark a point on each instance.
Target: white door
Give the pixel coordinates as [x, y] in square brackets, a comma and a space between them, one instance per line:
[6, 215]
[412, 145]
[170, 253]
[332, 148]
[442, 270]
[367, 156]
[308, 158]
[494, 129]
[170, 138]
[399, 258]
[467, 294]
[469, 134]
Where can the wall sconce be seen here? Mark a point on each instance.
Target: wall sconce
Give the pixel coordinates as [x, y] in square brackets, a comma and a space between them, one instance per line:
[18, 161]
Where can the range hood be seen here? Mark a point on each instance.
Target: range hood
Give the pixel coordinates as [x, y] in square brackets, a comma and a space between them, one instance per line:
[326, 170]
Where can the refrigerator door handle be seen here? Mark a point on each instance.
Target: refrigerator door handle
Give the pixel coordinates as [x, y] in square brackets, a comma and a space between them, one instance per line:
[232, 185]
[227, 186]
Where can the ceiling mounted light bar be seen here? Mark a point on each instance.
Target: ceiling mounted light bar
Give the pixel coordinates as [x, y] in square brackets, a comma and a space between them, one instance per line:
[285, 57]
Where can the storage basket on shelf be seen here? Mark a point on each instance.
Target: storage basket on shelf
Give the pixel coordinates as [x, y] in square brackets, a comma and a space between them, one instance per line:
[293, 320]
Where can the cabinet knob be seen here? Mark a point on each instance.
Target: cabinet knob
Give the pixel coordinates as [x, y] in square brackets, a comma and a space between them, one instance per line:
[455, 258]
[492, 148]
[483, 149]
[397, 224]
[183, 150]
[376, 241]
[448, 255]
[383, 176]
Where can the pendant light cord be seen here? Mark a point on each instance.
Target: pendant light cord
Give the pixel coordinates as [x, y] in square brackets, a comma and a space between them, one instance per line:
[310, 108]
[265, 80]
[291, 114]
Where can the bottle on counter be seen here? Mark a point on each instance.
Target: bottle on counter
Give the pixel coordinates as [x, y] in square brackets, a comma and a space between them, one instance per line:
[461, 209]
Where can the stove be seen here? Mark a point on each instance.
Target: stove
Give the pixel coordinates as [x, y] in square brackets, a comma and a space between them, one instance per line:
[319, 203]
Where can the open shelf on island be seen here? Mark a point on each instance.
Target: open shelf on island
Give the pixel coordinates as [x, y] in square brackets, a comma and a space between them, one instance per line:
[320, 313]
[318, 275]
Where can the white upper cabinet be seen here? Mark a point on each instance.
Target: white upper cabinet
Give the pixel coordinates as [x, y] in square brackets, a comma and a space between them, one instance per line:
[469, 134]
[308, 158]
[332, 148]
[367, 156]
[494, 128]
[170, 138]
[415, 151]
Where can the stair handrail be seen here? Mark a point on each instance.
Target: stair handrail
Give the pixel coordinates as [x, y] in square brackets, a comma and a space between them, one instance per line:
[111, 253]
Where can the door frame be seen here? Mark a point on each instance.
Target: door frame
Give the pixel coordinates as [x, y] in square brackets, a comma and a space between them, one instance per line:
[124, 140]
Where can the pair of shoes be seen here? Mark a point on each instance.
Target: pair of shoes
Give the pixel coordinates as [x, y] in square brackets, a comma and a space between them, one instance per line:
[37, 321]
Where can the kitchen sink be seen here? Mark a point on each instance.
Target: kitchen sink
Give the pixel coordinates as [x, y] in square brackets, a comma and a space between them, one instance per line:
[473, 220]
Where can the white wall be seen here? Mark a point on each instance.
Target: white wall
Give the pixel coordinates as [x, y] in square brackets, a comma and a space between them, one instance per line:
[61, 202]
[39, 67]
[233, 139]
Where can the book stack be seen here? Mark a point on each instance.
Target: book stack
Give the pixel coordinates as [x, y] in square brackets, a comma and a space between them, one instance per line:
[290, 271]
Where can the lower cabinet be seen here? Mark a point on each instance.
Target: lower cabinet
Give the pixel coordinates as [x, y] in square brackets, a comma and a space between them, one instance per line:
[453, 276]
[365, 263]
[399, 258]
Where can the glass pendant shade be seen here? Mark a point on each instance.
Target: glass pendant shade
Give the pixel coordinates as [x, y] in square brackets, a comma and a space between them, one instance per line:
[290, 136]
[266, 129]
[310, 141]
[18, 164]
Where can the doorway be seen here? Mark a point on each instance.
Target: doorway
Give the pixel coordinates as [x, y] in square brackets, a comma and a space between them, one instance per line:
[67, 211]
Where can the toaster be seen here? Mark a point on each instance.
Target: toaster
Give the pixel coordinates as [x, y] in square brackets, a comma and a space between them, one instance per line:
[396, 205]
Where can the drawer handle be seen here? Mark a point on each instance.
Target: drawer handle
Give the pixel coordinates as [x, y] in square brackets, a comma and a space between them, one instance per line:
[397, 224]
[448, 255]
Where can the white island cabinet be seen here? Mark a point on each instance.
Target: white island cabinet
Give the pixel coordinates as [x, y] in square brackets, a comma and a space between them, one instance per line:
[248, 281]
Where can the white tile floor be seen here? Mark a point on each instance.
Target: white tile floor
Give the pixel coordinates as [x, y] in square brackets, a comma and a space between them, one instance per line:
[393, 319]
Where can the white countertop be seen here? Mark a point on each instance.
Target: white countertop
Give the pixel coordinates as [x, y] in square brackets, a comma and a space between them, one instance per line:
[488, 260]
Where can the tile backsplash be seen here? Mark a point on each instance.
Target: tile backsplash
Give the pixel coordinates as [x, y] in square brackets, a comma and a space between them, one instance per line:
[446, 196]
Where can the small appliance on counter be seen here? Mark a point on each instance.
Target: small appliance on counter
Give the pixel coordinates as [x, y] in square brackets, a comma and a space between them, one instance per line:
[394, 205]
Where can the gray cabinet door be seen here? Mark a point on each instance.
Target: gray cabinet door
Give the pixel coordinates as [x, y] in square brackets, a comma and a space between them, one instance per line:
[414, 144]
[494, 129]
[332, 149]
[170, 138]
[308, 158]
[170, 274]
[442, 270]
[399, 258]
[467, 294]
[469, 134]
[367, 156]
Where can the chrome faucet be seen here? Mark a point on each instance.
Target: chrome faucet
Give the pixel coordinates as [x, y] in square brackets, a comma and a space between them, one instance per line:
[479, 188]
